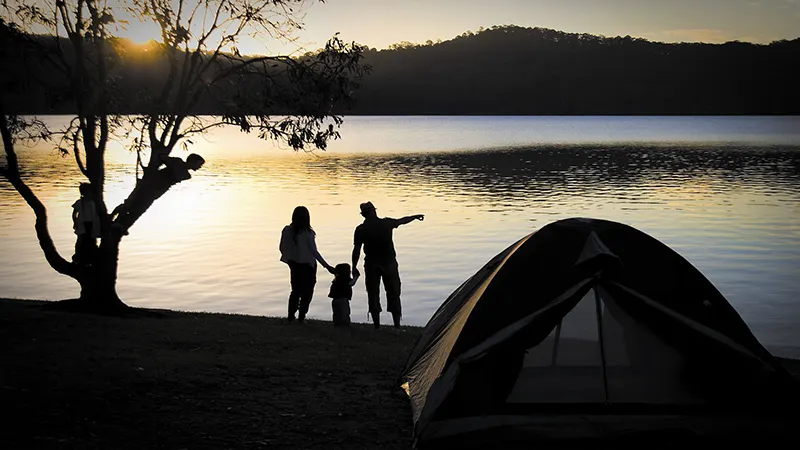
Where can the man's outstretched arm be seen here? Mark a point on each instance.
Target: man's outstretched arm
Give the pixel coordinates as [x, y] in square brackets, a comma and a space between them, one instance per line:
[409, 219]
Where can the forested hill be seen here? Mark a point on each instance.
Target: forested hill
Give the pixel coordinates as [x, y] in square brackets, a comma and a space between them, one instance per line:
[515, 70]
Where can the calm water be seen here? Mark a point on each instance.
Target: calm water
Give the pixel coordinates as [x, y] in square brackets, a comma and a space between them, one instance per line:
[723, 192]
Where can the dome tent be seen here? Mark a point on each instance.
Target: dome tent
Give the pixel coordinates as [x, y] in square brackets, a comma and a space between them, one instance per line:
[577, 326]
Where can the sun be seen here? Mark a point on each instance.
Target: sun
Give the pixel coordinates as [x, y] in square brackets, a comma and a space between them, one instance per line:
[131, 49]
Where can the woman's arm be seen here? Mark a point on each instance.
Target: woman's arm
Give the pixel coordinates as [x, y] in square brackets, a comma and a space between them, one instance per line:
[286, 246]
[315, 252]
[283, 245]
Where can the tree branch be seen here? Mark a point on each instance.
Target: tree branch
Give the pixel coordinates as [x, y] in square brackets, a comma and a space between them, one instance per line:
[11, 173]
[78, 160]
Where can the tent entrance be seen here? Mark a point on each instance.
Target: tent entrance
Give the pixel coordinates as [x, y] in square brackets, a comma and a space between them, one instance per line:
[600, 355]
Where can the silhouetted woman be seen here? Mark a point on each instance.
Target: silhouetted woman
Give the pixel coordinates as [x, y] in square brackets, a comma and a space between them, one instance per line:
[299, 250]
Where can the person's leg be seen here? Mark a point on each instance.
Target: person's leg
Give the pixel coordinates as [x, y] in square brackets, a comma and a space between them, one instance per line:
[77, 257]
[391, 283]
[341, 312]
[90, 241]
[335, 312]
[372, 280]
[307, 292]
[339, 305]
[294, 295]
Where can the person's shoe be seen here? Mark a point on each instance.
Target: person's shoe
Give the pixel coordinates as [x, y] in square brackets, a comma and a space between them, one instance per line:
[301, 318]
[290, 318]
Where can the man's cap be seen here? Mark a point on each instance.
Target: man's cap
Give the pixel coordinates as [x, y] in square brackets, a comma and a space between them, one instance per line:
[366, 207]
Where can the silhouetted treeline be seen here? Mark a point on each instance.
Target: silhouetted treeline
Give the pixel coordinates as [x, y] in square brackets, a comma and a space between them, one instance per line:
[516, 70]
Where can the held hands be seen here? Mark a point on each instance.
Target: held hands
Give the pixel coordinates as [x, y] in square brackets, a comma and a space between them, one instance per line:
[356, 273]
[331, 269]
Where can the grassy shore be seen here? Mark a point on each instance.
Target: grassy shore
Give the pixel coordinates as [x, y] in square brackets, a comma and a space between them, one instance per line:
[165, 379]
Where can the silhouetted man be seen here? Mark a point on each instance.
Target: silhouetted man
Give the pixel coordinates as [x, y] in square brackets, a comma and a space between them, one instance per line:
[380, 260]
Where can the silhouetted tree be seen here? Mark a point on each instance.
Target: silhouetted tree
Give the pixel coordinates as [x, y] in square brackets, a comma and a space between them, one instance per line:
[200, 64]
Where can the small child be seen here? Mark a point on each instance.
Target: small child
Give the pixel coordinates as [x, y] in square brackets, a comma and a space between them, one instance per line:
[86, 223]
[341, 292]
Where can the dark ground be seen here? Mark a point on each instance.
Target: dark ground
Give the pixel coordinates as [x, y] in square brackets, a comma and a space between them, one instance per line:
[164, 379]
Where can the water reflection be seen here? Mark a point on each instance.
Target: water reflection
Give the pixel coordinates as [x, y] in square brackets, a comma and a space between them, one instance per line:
[211, 244]
[518, 179]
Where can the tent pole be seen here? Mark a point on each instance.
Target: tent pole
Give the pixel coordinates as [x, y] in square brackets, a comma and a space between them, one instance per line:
[555, 343]
[600, 336]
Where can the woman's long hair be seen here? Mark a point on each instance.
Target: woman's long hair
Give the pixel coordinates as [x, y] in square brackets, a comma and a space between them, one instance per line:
[301, 221]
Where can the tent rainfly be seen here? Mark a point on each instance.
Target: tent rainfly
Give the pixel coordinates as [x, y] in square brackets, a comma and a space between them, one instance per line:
[589, 329]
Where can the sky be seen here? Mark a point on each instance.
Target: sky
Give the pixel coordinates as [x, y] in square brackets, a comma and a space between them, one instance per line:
[379, 23]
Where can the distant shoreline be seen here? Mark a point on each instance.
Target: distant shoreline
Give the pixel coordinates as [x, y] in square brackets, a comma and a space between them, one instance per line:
[513, 70]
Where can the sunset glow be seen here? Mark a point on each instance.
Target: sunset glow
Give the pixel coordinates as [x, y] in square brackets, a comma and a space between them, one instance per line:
[380, 23]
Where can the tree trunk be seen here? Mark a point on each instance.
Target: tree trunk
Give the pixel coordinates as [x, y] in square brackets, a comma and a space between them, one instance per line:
[99, 280]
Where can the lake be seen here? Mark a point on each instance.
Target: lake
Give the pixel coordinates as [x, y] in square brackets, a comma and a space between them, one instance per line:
[722, 191]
